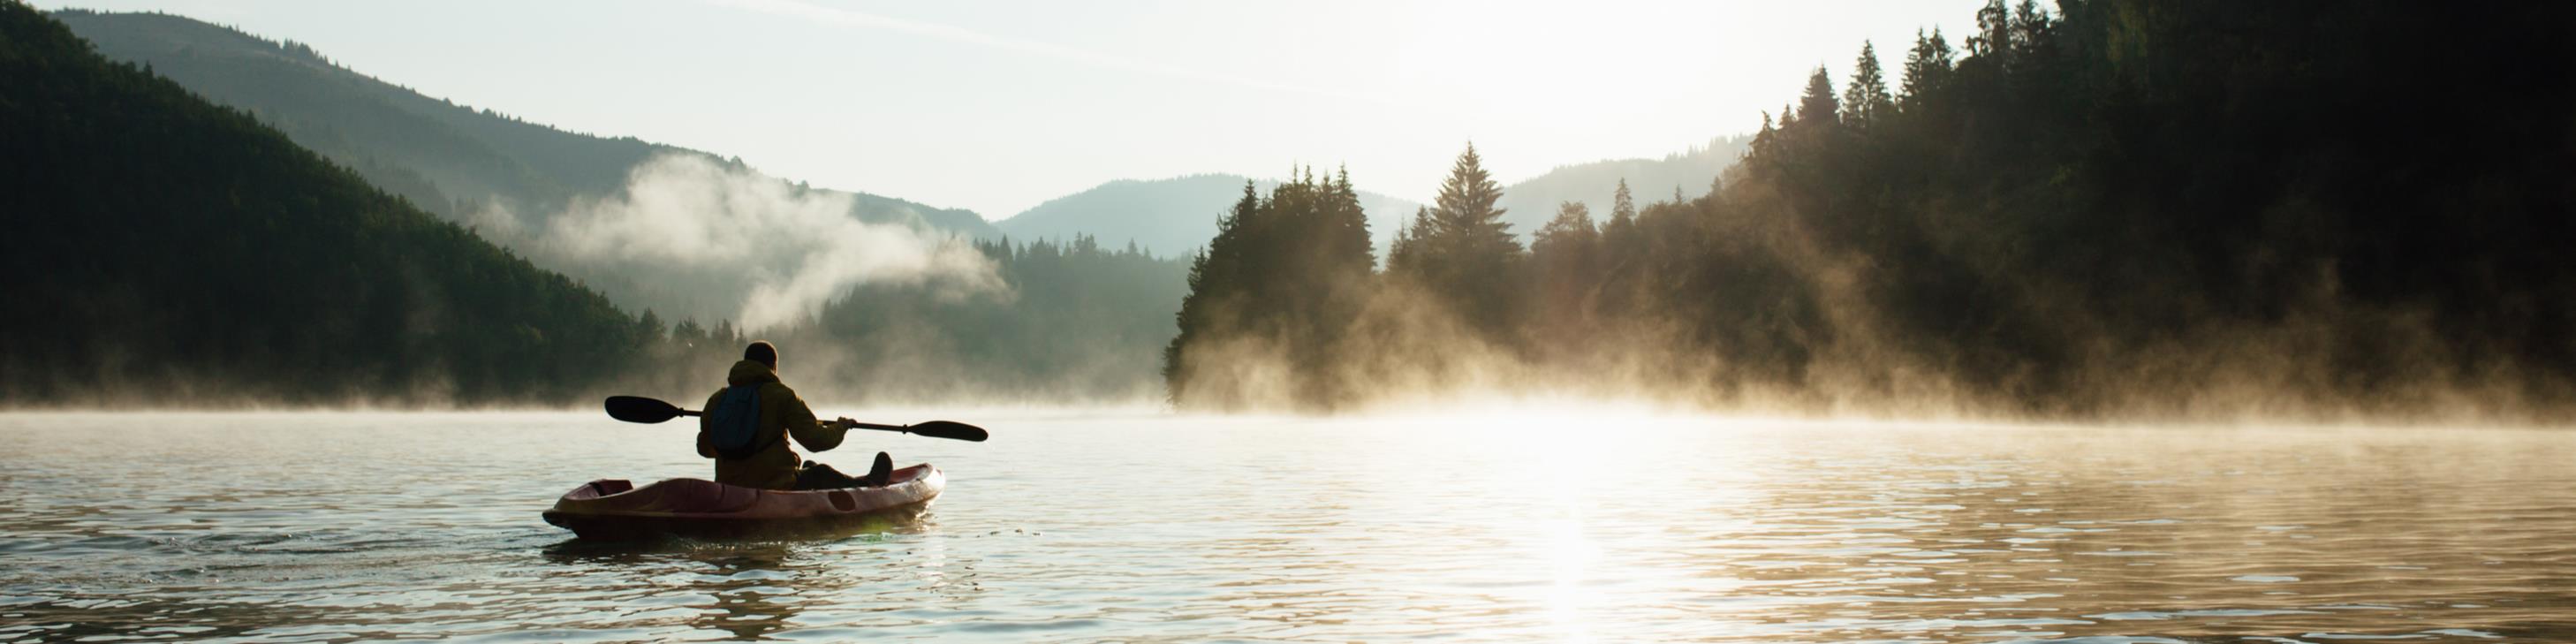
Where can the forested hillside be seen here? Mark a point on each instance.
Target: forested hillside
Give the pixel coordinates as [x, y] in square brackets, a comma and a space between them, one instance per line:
[212, 261]
[2120, 208]
[450, 159]
[172, 252]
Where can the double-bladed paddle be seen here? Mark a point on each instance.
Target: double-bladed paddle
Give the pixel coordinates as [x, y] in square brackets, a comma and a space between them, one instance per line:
[638, 409]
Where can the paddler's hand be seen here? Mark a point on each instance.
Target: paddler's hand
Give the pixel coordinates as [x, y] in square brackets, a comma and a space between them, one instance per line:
[844, 424]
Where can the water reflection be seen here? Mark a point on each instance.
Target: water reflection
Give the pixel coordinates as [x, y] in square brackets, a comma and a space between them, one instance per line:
[745, 590]
[1530, 529]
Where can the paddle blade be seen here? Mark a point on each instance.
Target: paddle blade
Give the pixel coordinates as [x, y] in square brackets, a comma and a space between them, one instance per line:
[638, 409]
[948, 429]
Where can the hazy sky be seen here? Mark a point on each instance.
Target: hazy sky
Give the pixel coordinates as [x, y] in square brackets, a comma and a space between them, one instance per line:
[997, 106]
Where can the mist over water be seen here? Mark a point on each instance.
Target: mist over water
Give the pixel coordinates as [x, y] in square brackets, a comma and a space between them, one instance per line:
[1779, 409]
[695, 239]
[1530, 523]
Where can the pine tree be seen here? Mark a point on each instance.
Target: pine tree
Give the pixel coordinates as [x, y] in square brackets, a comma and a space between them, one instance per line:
[2030, 29]
[1572, 225]
[1763, 140]
[1462, 251]
[1620, 235]
[1288, 271]
[1994, 30]
[1349, 241]
[1406, 255]
[1621, 207]
[1464, 214]
[1818, 107]
[652, 324]
[1866, 101]
[1927, 67]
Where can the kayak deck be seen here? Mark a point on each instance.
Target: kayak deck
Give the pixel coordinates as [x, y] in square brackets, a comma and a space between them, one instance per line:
[615, 509]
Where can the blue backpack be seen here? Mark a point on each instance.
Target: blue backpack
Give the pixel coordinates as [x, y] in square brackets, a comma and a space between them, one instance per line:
[733, 425]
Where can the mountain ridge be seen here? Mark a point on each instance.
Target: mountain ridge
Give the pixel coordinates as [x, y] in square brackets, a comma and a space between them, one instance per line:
[444, 156]
[1176, 215]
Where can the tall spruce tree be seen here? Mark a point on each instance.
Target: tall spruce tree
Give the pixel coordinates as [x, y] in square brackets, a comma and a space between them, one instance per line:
[1865, 101]
[1927, 66]
[1407, 254]
[1464, 214]
[1619, 237]
[1994, 32]
[1818, 107]
[1467, 253]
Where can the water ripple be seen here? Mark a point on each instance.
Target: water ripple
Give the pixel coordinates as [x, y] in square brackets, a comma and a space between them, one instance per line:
[324, 527]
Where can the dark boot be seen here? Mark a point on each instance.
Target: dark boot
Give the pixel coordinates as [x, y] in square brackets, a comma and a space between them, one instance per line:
[817, 476]
[881, 473]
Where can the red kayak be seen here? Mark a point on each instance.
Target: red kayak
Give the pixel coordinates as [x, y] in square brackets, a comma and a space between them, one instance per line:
[615, 509]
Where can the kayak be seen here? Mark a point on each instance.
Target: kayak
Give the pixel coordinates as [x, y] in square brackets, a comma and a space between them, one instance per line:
[614, 509]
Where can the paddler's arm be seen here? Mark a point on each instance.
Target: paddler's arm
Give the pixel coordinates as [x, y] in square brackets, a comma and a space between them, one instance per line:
[707, 444]
[815, 435]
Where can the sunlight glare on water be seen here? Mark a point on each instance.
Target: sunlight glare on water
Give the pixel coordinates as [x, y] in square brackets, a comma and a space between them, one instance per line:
[1528, 523]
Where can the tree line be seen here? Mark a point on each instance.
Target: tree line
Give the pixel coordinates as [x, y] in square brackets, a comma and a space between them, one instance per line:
[2120, 207]
[172, 253]
[1077, 321]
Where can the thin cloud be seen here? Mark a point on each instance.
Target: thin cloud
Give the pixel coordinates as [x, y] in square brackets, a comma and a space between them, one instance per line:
[863, 20]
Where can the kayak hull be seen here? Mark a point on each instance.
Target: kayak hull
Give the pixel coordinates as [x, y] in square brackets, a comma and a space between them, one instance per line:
[617, 510]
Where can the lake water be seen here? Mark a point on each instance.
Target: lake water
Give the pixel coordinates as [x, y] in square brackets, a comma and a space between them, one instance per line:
[1515, 525]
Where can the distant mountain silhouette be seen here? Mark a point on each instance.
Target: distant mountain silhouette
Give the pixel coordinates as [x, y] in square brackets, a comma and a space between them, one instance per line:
[1532, 202]
[1171, 217]
[1168, 217]
[450, 159]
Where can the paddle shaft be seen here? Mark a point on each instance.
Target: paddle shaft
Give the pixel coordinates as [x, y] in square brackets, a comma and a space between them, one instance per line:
[853, 425]
[638, 409]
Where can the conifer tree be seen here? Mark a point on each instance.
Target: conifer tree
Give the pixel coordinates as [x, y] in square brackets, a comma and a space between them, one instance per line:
[2030, 28]
[1464, 213]
[1866, 101]
[1406, 255]
[1463, 251]
[1994, 31]
[1927, 66]
[1348, 241]
[1620, 235]
[1622, 206]
[1818, 106]
[1572, 226]
[1287, 271]
[1763, 140]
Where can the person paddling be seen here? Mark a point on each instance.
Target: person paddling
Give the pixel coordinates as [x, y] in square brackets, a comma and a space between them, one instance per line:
[747, 424]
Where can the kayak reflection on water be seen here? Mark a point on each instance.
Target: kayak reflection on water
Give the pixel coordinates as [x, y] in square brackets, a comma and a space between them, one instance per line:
[747, 425]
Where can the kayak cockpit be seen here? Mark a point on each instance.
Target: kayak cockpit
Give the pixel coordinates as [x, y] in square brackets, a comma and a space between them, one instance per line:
[600, 488]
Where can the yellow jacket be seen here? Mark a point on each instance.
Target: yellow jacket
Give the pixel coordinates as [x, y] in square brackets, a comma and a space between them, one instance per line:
[773, 467]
